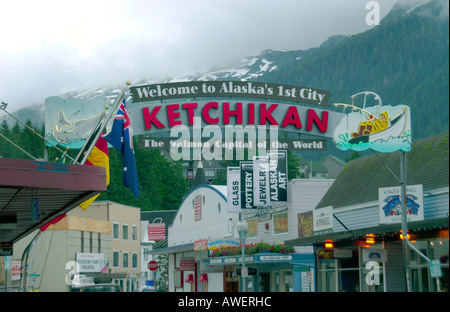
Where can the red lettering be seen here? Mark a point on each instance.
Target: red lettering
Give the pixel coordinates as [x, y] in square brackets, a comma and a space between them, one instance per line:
[151, 118]
[251, 113]
[227, 112]
[267, 114]
[313, 118]
[205, 113]
[171, 114]
[292, 118]
[190, 108]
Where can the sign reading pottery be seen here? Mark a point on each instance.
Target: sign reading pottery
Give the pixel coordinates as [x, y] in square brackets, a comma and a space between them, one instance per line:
[214, 244]
[389, 203]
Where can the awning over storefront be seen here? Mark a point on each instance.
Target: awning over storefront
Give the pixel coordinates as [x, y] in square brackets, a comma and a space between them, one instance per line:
[263, 258]
[32, 193]
[189, 278]
[203, 278]
[378, 231]
[171, 249]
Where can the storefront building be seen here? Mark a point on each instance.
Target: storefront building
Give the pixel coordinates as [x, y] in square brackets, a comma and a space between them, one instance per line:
[203, 226]
[357, 247]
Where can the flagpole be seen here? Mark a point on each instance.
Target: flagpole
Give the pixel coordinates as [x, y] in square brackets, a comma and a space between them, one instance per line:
[102, 123]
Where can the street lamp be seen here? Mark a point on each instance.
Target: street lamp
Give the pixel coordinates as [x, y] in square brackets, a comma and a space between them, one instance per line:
[242, 229]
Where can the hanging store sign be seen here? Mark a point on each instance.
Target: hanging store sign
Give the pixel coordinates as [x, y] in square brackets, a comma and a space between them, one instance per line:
[323, 220]
[278, 175]
[305, 224]
[389, 203]
[247, 185]
[214, 244]
[6, 249]
[261, 182]
[187, 264]
[156, 231]
[234, 189]
[198, 208]
[201, 245]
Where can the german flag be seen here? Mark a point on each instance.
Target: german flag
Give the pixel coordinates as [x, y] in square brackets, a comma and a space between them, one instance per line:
[98, 157]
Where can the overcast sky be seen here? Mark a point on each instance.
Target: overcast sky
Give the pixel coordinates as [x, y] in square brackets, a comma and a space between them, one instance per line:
[51, 47]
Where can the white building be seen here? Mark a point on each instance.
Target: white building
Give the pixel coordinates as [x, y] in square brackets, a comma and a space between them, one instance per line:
[203, 217]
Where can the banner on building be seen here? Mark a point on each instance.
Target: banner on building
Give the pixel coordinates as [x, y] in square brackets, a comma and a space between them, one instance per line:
[156, 231]
[234, 189]
[90, 262]
[305, 224]
[198, 208]
[261, 183]
[278, 175]
[323, 219]
[389, 204]
[187, 264]
[16, 270]
[247, 198]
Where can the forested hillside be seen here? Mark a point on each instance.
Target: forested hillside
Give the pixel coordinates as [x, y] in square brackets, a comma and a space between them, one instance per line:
[404, 60]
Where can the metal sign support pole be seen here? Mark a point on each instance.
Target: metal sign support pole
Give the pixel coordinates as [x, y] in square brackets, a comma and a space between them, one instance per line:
[405, 240]
[404, 220]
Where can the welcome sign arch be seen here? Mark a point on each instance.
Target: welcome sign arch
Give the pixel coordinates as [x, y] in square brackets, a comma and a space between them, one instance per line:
[163, 107]
[236, 105]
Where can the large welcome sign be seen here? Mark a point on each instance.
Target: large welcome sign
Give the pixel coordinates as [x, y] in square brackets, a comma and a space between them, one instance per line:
[220, 119]
[163, 107]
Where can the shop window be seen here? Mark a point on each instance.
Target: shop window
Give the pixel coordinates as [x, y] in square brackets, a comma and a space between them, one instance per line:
[115, 259]
[125, 260]
[280, 223]
[421, 279]
[134, 260]
[125, 232]
[134, 232]
[348, 273]
[326, 274]
[115, 230]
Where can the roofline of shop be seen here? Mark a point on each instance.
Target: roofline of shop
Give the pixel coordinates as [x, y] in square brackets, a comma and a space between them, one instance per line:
[172, 249]
[380, 230]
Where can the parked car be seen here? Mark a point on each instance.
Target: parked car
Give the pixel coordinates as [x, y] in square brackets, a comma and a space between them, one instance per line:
[101, 288]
